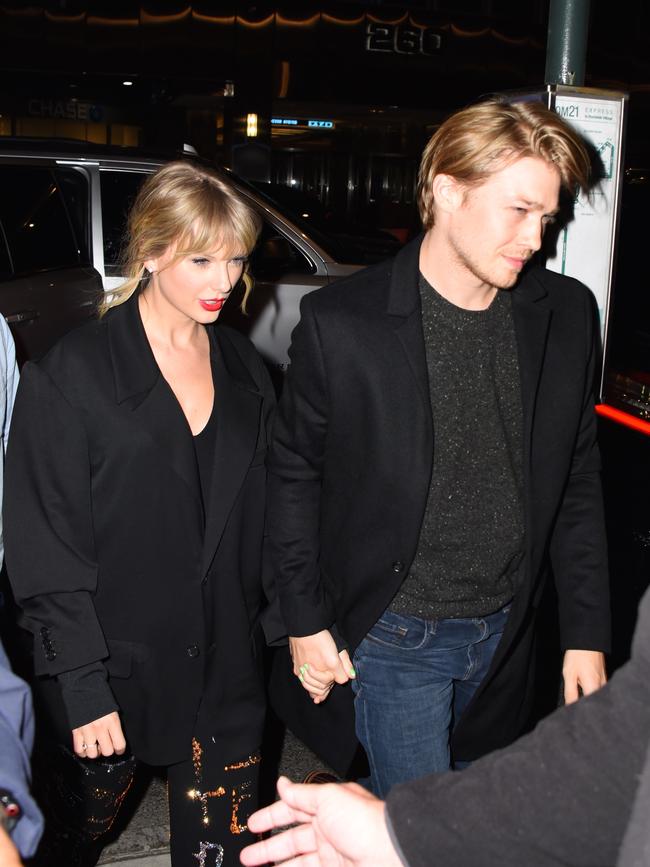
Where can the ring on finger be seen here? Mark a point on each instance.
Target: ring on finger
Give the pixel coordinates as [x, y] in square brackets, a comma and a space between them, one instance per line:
[84, 746]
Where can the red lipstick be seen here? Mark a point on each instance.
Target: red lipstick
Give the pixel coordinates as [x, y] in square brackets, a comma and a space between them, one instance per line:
[212, 305]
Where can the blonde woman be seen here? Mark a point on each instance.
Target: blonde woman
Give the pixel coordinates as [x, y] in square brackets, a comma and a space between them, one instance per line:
[134, 524]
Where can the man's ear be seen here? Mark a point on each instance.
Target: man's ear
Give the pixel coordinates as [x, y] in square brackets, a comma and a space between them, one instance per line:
[448, 193]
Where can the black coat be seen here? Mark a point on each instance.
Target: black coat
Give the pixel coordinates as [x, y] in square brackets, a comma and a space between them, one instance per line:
[574, 793]
[104, 529]
[350, 468]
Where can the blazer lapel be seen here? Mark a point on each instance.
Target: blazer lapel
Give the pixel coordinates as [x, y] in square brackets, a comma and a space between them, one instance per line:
[238, 404]
[140, 386]
[404, 310]
[531, 319]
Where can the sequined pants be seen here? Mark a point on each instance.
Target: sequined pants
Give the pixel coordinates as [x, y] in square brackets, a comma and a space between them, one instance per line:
[209, 804]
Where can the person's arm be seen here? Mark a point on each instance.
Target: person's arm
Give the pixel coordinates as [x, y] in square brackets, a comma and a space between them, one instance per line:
[295, 465]
[561, 795]
[16, 739]
[49, 535]
[578, 548]
[10, 379]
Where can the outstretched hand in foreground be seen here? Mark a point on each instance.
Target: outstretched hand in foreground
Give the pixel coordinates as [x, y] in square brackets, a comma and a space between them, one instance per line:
[335, 825]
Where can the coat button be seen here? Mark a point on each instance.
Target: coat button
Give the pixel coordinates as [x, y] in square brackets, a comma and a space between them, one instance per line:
[51, 655]
[193, 650]
[398, 566]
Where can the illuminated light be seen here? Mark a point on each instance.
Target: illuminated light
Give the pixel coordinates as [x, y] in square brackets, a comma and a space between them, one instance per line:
[292, 22]
[69, 19]
[148, 18]
[214, 19]
[30, 225]
[623, 418]
[346, 22]
[472, 34]
[305, 215]
[377, 20]
[127, 83]
[100, 21]
[284, 121]
[320, 124]
[192, 794]
[285, 72]
[256, 24]
[251, 125]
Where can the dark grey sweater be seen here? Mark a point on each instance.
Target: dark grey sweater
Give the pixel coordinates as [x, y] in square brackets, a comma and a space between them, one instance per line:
[471, 540]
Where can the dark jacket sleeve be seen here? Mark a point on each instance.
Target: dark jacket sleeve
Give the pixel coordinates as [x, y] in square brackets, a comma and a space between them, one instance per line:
[295, 478]
[562, 795]
[578, 546]
[48, 516]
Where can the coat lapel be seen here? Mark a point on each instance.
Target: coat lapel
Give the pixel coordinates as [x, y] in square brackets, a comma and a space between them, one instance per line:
[404, 310]
[531, 319]
[238, 404]
[141, 388]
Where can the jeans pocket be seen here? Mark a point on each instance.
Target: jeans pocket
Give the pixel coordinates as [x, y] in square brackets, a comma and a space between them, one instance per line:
[391, 631]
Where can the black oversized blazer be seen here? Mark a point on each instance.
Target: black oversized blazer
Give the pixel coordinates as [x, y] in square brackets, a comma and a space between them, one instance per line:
[108, 548]
[350, 468]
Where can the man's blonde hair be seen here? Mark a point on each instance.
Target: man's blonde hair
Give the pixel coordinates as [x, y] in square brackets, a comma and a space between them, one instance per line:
[188, 206]
[481, 139]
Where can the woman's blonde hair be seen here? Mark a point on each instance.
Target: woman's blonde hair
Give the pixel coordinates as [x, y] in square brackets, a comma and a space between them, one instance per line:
[481, 139]
[191, 207]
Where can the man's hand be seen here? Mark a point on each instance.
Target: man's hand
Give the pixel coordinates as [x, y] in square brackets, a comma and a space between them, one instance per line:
[9, 856]
[102, 737]
[340, 825]
[583, 672]
[318, 664]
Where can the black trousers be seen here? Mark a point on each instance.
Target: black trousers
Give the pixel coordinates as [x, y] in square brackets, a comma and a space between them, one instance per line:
[209, 803]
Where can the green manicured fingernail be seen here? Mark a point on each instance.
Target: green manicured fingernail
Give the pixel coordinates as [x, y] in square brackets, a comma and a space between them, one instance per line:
[352, 672]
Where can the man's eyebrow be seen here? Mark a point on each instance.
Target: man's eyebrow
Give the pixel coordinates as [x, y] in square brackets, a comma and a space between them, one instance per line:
[532, 204]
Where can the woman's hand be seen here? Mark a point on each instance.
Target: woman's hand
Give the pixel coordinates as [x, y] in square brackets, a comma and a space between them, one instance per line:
[318, 664]
[102, 737]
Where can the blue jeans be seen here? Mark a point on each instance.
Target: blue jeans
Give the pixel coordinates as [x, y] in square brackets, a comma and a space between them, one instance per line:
[414, 680]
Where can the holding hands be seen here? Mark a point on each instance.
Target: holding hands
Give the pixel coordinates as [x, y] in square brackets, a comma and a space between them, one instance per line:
[318, 664]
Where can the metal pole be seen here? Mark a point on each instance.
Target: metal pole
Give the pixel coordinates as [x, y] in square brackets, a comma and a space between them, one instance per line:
[566, 47]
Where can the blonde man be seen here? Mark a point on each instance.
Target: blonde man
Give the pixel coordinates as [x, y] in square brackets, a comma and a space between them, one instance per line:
[435, 458]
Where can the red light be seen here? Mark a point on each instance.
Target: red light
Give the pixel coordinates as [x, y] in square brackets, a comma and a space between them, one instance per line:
[624, 418]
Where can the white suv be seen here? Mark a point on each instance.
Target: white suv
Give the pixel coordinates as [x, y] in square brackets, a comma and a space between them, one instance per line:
[62, 218]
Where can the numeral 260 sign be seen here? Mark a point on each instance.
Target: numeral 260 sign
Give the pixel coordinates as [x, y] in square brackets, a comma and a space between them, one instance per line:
[402, 38]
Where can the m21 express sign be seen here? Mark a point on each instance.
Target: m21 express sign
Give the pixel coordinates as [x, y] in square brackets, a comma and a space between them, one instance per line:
[585, 248]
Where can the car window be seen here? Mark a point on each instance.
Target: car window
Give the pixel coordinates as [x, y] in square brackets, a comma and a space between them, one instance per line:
[119, 190]
[276, 255]
[35, 220]
[6, 271]
[75, 191]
